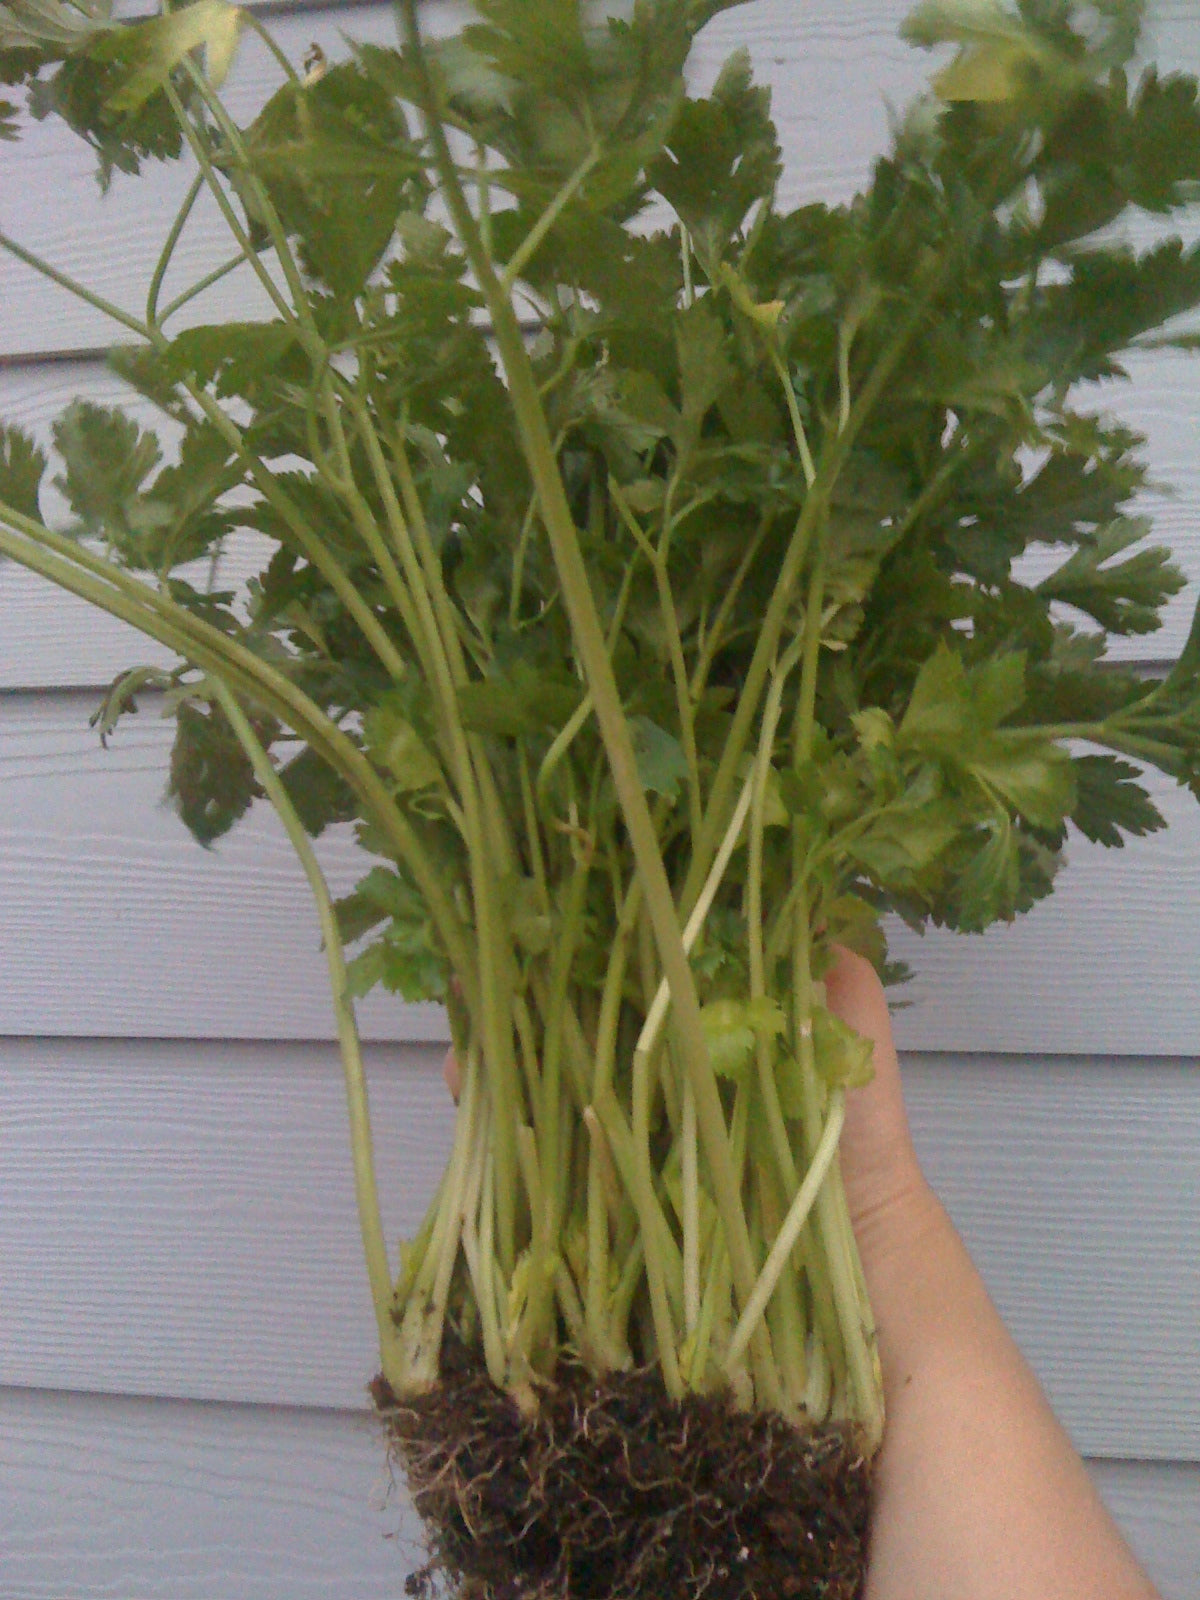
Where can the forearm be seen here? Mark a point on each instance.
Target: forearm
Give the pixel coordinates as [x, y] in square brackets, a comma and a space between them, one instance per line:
[981, 1495]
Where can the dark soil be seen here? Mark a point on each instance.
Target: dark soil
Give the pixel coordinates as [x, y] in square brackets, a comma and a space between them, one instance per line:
[612, 1491]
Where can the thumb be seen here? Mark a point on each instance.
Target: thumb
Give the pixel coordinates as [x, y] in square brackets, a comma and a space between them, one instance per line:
[878, 1161]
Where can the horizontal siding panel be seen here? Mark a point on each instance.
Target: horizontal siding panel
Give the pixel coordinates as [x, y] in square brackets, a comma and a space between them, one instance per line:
[108, 1499]
[1157, 1507]
[117, 923]
[1074, 1186]
[833, 78]
[181, 1502]
[178, 1220]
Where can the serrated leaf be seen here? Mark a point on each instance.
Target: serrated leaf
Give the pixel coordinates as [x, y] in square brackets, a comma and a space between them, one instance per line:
[22, 467]
[1110, 802]
[1122, 596]
[661, 763]
[52, 25]
[723, 157]
[336, 159]
[704, 366]
[211, 784]
[108, 461]
[843, 1058]
[732, 1028]
[234, 356]
[521, 700]
[319, 795]
[989, 888]
[1032, 775]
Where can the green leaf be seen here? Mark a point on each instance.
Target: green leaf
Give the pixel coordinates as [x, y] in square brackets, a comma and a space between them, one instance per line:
[722, 158]
[705, 370]
[732, 1028]
[108, 461]
[211, 783]
[1123, 596]
[319, 795]
[531, 925]
[955, 714]
[844, 1058]
[990, 886]
[661, 763]
[234, 356]
[1109, 801]
[1032, 775]
[405, 960]
[339, 166]
[521, 700]
[398, 747]
[22, 467]
[52, 26]
[902, 843]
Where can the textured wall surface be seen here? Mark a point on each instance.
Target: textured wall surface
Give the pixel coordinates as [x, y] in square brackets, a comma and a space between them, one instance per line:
[185, 1332]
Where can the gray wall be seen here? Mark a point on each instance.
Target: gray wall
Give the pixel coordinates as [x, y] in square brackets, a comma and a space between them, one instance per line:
[185, 1331]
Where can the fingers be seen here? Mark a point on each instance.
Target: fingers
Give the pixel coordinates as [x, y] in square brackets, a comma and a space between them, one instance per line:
[877, 1156]
[451, 1074]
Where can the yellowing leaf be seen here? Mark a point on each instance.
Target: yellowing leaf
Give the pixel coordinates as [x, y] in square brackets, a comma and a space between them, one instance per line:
[398, 747]
[987, 74]
[152, 50]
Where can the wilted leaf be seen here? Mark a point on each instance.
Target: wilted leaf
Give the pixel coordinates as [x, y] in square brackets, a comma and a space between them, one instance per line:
[147, 53]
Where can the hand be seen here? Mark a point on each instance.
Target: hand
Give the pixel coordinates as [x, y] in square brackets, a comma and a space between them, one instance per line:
[979, 1493]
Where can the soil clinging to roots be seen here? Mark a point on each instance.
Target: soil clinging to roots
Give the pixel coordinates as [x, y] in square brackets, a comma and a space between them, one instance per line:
[613, 1491]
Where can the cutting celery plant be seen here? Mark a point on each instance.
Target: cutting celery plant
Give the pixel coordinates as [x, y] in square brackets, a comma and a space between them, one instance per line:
[641, 577]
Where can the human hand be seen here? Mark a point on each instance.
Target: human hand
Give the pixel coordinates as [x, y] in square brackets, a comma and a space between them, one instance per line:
[979, 1494]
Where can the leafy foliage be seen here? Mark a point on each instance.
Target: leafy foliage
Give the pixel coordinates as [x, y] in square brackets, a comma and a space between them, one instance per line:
[740, 509]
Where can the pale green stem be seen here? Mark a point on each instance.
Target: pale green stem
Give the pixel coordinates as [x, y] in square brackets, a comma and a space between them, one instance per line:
[252, 22]
[365, 1188]
[716, 631]
[217, 189]
[526, 250]
[657, 1013]
[789, 1234]
[593, 655]
[168, 249]
[679, 673]
[691, 1213]
[196, 289]
[77, 289]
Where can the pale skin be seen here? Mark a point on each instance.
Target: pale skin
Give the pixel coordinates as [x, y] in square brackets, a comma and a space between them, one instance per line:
[979, 1494]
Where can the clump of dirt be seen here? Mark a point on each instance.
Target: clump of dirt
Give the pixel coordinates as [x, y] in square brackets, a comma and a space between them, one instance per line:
[613, 1491]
